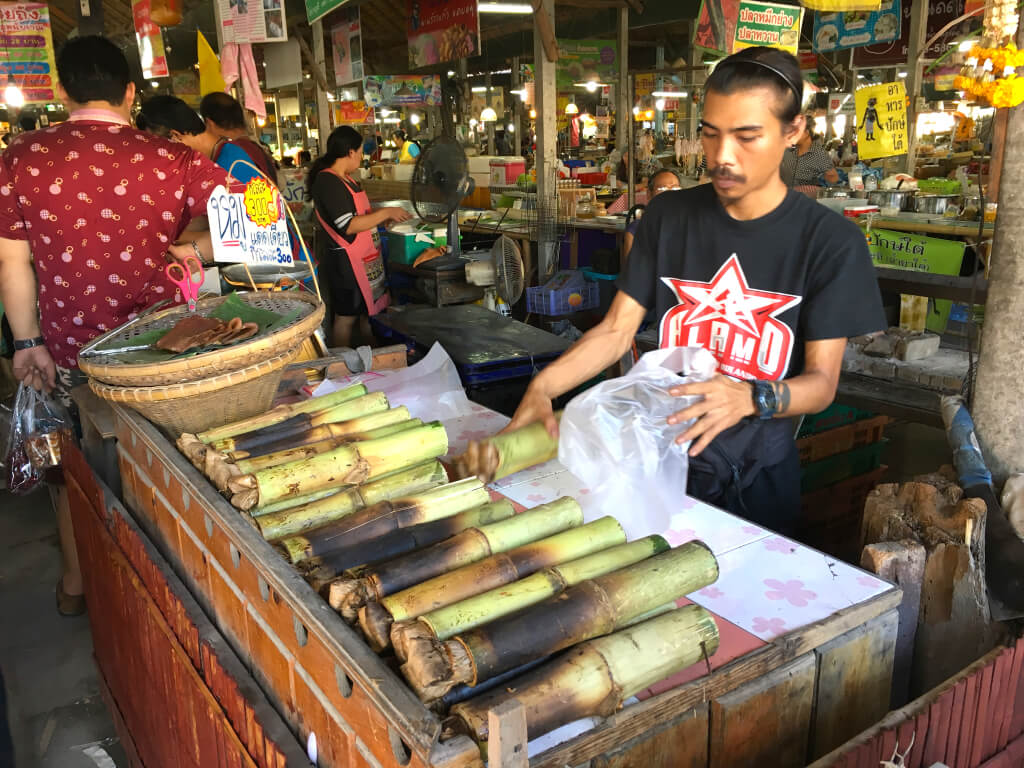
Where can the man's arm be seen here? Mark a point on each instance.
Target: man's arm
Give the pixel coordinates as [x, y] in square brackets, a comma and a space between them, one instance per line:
[599, 347]
[34, 365]
[726, 402]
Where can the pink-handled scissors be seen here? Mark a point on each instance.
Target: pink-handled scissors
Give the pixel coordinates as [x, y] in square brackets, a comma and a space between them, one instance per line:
[183, 274]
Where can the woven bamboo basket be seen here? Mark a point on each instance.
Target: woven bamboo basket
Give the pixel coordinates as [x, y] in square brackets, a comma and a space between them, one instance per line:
[264, 346]
[199, 405]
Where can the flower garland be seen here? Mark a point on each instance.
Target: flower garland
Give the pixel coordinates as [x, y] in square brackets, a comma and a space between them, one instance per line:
[990, 75]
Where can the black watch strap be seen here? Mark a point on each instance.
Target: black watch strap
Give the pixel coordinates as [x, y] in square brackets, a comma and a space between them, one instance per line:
[20, 344]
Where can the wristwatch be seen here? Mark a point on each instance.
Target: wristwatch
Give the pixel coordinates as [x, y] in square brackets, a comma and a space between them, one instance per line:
[765, 402]
[20, 344]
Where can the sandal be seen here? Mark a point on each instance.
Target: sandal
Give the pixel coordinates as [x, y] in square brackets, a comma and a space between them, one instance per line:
[68, 605]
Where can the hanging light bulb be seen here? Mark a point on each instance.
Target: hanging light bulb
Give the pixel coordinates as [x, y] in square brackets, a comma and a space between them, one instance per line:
[571, 108]
[488, 115]
[660, 105]
[472, 122]
[533, 114]
[414, 119]
[636, 111]
[591, 86]
[13, 96]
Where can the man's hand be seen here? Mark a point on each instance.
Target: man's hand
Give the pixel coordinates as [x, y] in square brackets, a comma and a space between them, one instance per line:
[725, 403]
[36, 368]
[535, 406]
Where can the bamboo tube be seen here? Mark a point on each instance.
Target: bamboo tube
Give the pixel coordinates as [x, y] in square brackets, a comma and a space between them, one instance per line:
[595, 678]
[384, 517]
[282, 412]
[355, 429]
[448, 621]
[318, 513]
[403, 541]
[589, 609]
[193, 449]
[302, 425]
[347, 596]
[351, 464]
[291, 503]
[507, 453]
[376, 619]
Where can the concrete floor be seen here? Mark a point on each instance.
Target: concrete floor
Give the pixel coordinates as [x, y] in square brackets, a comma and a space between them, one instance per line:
[56, 714]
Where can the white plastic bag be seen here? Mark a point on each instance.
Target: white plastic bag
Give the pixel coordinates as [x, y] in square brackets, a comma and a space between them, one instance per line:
[615, 438]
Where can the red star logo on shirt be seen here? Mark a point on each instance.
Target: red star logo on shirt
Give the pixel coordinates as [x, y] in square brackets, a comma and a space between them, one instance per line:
[736, 323]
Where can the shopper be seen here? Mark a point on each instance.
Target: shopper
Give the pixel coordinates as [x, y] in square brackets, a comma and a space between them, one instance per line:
[93, 205]
[768, 281]
[808, 165]
[664, 180]
[233, 150]
[348, 248]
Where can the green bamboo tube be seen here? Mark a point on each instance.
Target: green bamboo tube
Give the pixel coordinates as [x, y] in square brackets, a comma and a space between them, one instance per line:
[448, 621]
[508, 453]
[316, 514]
[376, 619]
[346, 465]
[281, 413]
[325, 569]
[384, 517]
[597, 677]
[589, 609]
[291, 503]
[349, 595]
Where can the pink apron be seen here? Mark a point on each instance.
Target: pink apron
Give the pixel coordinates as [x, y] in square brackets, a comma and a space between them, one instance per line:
[363, 254]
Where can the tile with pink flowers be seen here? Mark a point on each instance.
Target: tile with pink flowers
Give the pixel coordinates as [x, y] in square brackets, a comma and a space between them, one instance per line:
[721, 531]
[773, 586]
[478, 424]
[544, 483]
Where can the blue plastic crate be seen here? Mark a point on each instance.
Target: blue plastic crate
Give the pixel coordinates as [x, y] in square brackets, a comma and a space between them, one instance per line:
[565, 293]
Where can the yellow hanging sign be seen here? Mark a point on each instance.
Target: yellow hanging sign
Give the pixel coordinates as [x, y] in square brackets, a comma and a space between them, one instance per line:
[881, 121]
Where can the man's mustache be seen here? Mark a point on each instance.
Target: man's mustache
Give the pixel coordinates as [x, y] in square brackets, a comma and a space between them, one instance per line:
[723, 173]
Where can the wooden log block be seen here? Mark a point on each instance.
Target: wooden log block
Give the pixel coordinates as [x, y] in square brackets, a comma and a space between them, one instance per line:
[507, 728]
[901, 562]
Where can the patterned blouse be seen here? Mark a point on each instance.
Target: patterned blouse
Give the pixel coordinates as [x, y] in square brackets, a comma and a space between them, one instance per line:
[805, 170]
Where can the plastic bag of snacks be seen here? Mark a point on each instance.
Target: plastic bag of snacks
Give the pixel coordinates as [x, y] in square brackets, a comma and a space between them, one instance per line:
[38, 426]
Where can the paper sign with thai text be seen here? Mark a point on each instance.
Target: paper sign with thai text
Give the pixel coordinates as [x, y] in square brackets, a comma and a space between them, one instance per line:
[582, 61]
[253, 21]
[348, 48]
[293, 187]
[248, 224]
[768, 24]
[150, 40]
[27, 46]
[442, 30]
[881, 121]
[851, 29]
[942, 15]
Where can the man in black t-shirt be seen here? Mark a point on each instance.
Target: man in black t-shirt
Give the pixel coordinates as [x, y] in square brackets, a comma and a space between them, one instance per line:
[766, 279]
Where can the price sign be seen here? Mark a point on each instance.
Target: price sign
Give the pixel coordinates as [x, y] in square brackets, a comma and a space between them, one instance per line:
[248, 224]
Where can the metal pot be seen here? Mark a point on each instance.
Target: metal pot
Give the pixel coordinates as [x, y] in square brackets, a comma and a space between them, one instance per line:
[268, 277]
[903, 199]
[937, 204]
[970, 210]
[830, 192]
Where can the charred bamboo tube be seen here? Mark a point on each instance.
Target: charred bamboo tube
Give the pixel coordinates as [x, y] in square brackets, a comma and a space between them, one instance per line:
[589, 609]
[356, 429]
[351, 464]
[281, 413]
[303, 425]
[316, 514]
[507, 453]
[377, 618]
[448, 621]
[595, 678]
[347, 596]
[384, 517]
[397, 543]
[293, 502]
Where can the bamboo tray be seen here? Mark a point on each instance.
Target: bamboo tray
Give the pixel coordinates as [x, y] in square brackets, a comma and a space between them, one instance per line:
[108, 369]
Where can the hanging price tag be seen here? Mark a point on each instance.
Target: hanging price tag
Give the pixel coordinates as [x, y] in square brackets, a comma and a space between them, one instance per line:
[248, 224]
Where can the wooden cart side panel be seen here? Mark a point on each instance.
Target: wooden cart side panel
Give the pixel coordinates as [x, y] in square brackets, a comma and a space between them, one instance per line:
[854, 680]
[681, 743]
[259, 622]
[766, 721]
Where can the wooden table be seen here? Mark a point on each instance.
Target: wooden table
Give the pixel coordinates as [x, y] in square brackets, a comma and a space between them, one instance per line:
[781, 698]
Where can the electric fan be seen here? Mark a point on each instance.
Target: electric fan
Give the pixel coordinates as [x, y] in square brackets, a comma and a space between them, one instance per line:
[501, 274]
[439, 183]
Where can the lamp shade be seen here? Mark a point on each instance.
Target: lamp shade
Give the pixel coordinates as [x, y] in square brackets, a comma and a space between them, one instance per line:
[571, 108]
[488, 115]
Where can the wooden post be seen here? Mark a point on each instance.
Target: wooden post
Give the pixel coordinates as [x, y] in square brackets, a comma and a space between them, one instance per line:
[300, 95]
[277, 126]
[490, 123]
[999, 123]
[624, 107]
[915, 73]
[506, 728]
[517, 108]
[323, 110]
[544, 95]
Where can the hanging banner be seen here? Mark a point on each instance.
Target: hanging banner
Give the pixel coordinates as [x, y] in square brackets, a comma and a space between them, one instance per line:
[395, 90]
[716, 26]
[352, 113]
[896, 52]
[834, 31]
[881, 121]
[28, 50]
[248, 224]
[253, 21]
[348, 48]
[150, 40]
[317, 9]
[768, 24]
[442, 30]
[583, 61]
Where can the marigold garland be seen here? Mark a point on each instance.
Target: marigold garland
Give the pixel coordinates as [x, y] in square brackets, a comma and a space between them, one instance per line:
[990, 75]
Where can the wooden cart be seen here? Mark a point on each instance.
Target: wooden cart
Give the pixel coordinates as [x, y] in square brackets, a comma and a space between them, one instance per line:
[785, 703]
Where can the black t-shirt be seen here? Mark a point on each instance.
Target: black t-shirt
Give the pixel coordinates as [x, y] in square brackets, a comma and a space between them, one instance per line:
[752, 292]
[335, 204]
